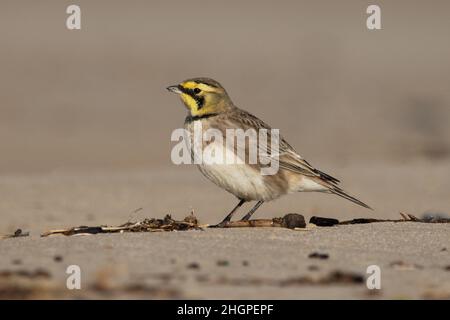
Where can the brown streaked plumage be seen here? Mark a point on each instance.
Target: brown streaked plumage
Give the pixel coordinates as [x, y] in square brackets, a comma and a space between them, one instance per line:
[209, 105]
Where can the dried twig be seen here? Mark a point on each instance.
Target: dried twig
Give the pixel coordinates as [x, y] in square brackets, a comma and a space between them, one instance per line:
[257, 223]
[290, 221]
[405, 218]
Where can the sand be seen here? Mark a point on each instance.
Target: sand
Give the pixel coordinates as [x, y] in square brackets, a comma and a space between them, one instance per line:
[212, 264]
[243, 263]
[85, 126]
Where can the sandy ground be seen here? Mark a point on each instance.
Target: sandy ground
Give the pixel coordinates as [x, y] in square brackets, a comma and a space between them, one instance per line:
[240, 264]
[37, 202]
[267, 263]
[85, 126]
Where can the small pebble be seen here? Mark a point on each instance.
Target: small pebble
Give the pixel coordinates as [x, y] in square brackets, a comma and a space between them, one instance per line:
[323, 222]
[293, 220]
[317, 255]
[193, 265]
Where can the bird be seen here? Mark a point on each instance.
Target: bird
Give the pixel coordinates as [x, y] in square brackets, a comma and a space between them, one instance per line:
[209, 104]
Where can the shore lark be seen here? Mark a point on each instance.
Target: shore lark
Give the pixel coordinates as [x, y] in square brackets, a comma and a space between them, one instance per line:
[208, 104]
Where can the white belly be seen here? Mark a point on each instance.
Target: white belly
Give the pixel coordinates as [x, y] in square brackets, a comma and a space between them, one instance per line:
[232, 174]
[239, 179]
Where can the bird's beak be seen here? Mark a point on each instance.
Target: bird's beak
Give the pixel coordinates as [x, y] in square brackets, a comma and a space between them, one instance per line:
[174, 89]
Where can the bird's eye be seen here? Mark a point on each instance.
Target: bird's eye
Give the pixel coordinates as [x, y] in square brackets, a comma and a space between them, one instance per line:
[197, 90]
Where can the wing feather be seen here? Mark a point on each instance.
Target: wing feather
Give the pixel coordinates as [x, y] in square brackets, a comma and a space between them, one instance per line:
[289, 159]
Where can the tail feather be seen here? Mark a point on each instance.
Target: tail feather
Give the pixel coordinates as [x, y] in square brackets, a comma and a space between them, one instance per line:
[343, 194]
[329, 185]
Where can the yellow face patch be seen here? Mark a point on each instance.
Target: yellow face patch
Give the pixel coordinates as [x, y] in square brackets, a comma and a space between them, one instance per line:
[199, 98]
[193, 106]
[190, 102]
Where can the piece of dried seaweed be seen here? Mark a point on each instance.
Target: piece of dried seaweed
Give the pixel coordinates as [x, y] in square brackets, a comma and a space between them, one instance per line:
[406, 217]
[146, 225]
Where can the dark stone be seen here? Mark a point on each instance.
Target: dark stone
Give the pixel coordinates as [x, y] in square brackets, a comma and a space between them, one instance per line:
[58, 258]
[317, 255]
[193, 265]
[323, 222]
[293, 220]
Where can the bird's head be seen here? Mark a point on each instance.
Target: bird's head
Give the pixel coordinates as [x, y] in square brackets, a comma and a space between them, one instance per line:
[202, 96]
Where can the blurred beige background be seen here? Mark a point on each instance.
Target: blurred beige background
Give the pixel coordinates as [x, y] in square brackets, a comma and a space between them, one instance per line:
[85, 120]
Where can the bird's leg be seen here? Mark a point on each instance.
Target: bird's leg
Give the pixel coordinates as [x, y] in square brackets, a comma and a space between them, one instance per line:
[230, 215]
[252, 211]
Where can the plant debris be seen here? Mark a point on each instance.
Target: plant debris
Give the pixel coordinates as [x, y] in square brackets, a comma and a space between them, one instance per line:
[291, 221]
[406, 217]
[18, 233]
[146, 225]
